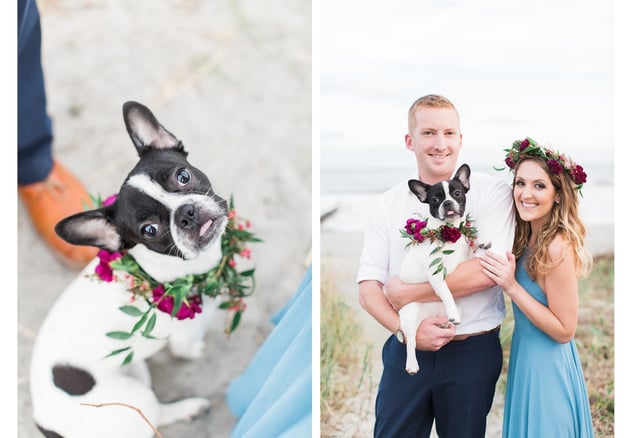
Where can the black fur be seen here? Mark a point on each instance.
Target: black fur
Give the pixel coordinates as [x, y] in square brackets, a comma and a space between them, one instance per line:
[72, 380]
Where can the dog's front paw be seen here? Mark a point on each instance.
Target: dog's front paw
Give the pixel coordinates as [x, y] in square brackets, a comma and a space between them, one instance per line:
[192, 350]
[184, 409]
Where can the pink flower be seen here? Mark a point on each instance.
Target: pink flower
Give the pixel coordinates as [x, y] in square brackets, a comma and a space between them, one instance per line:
[245, 253]
[450, 234]
[232, 263]
[110, 200]
[188, 309]
[231, 214]
[103, 269]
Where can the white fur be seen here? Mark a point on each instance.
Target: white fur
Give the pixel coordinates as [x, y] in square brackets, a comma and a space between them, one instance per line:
[173, 201]
[415, 269]
[74, 333]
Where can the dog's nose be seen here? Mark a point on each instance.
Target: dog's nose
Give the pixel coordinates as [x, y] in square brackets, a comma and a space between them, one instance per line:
[185, 216]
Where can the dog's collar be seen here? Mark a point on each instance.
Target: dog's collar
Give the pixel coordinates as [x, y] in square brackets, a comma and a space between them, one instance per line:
[182, 298]
[417, 231]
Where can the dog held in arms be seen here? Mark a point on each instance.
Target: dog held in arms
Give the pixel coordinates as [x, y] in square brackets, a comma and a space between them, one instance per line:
[446, 202]
[169, 219]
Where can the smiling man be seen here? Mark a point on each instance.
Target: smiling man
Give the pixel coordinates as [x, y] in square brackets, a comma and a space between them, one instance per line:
[459, 367]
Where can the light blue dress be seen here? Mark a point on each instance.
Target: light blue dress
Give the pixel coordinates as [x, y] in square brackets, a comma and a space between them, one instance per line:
[273, 397]
[546, 394]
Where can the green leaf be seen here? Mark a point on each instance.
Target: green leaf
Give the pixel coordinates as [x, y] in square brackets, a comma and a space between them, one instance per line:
[115, 352]
[434, 262]
[235, 321]
[150, 325]
[119, 335]
[448, 251]
[435, 251]
[141, 322]
[248, 273]
[128, 359]
[438, 270]
[131, 310]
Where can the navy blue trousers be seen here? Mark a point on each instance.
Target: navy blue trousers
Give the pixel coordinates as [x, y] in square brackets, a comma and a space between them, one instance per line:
[454, 387]
[34, 127]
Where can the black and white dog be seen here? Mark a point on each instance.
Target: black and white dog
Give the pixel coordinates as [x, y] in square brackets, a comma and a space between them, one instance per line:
[447, 206]
[168, 217]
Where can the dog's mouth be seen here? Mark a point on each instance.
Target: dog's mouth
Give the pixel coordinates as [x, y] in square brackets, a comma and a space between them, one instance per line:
[205, 228]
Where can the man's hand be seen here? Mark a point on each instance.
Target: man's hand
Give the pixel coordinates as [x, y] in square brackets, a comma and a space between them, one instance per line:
[434, 332]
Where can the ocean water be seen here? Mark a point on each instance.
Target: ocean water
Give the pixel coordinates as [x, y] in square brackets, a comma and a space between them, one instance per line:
[350, 179]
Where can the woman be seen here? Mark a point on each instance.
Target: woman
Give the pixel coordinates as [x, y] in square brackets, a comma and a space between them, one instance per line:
[546, 393]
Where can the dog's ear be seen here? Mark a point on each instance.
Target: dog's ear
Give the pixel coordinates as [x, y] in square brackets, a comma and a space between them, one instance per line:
[463, 176]
[145, 130]
[91, 228]
[420, 189]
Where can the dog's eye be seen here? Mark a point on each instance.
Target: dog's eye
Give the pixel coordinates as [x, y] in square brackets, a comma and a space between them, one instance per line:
[149, 230]
[457, 193]
[183, 177]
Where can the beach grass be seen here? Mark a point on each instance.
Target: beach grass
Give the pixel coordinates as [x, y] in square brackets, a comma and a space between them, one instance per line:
[345, 365]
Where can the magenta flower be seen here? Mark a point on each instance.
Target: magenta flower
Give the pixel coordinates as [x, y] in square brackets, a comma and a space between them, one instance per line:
[414, 228]
[524, 144]
[188, 309]
[103, 269]
[450, 234]
[579, 175]
[554, 166]
[110, 200]
[509, 162]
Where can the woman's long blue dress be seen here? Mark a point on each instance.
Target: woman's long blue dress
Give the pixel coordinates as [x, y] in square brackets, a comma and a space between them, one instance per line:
[273, 397]
[546, 394]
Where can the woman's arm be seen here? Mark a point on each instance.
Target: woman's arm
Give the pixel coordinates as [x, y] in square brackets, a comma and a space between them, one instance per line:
[559, 318]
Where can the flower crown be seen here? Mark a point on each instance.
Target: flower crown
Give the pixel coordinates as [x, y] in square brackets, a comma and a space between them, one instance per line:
[557, 162]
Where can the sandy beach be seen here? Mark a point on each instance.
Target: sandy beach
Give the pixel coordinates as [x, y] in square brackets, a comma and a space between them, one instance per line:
[232, 81]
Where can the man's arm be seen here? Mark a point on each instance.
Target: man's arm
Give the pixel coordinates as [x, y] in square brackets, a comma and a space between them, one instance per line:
[432, 333]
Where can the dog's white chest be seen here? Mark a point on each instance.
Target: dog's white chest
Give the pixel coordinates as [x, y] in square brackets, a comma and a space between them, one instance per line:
[416, 265]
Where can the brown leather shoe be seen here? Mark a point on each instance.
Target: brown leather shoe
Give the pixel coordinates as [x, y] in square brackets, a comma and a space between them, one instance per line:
[49, 201]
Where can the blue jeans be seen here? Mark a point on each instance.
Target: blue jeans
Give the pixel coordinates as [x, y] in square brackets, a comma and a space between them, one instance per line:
[34, 127]
[454, 387]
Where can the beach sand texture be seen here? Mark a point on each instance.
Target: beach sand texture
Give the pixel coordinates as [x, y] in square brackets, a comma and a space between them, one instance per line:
[233, 81]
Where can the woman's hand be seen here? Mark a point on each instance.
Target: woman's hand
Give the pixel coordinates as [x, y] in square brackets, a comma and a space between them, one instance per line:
[499, 269]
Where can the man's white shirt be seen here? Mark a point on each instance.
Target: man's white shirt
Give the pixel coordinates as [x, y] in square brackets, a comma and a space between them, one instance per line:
[489, 203]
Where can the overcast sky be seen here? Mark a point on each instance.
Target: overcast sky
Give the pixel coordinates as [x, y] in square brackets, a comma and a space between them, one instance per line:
[536, 68]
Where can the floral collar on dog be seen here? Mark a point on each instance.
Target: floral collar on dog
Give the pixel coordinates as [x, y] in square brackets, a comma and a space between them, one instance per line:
[417, 231]
[182, 298]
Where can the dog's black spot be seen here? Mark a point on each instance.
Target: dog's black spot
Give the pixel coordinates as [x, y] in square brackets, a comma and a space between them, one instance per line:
[48, 433]
[74, 381]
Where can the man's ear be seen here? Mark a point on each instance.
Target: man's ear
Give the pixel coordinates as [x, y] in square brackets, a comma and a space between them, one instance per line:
[91, 228]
